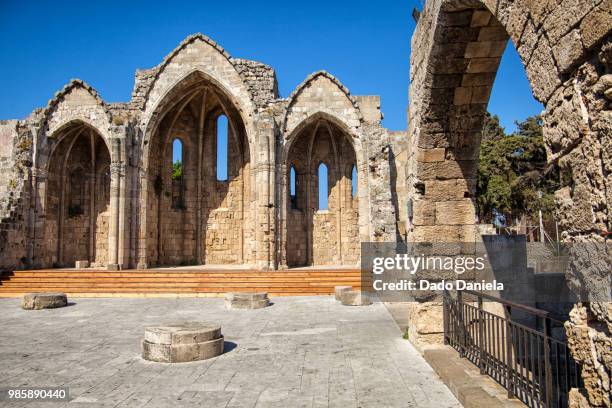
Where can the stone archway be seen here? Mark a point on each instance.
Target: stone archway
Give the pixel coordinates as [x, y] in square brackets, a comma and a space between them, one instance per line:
[314, 235]
[212, 224]
[77, 200]
[567, 53]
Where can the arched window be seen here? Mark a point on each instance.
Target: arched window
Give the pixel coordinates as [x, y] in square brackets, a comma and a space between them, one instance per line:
[323, 187]
[292, 188]
[354, 182]
[222, 148]
[177, 174]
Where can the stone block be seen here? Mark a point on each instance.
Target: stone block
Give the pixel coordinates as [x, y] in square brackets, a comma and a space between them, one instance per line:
[443, 233]
[440, 190]
[496, 33]
[431, 155]
[339, 290]
[424, 212]
[455, 212]
[542, 71]
[37, 301]
[81, 264]
[246, 300]
[482, 79]
[480, 94]
[569, 51]
[355, 298]
[480, 18]
[596, 24]
[463, 96]
[478, 49]
[478, 65]
[447, 170]
[182, 343]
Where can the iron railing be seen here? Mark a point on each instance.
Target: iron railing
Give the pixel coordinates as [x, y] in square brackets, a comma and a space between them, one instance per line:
[530, 359]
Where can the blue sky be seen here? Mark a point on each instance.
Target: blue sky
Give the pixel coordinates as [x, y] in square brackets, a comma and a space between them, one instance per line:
[365, 44]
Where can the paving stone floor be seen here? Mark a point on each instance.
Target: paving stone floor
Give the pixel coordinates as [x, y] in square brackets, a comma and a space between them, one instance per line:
[299, 352]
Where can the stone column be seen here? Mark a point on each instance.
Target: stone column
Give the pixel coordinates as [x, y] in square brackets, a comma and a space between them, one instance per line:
[265, 191]
[92, 199]
[200, 150]
[142, 210]
[38, 206]
[115, 206]
[113, 226]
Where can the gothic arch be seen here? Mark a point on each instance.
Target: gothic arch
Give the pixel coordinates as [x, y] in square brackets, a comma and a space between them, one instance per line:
[320, 138]
[75, 223]
[188, 110]
[457, 48]
[329, 97]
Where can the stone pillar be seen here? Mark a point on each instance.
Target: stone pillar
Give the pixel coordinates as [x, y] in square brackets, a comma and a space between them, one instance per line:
[113, 226]
[37, 223]
[282, 189]
[265, 192]
[92, 199]
[142, 211]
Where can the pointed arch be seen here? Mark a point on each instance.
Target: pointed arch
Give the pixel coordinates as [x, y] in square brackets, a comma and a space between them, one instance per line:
[326, 87]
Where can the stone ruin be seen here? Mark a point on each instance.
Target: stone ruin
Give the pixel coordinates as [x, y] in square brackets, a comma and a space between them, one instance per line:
[84, 179]
[247, 300]
[43, 300]
[182, 343]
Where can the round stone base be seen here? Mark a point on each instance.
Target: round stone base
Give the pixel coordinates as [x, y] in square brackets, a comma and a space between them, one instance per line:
[338, 290]
[37, 301]
[355, 298]
[246, 300]
[182, 343]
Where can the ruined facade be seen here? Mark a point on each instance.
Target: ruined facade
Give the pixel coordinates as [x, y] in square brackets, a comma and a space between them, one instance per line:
[87, 180]
[83, 179]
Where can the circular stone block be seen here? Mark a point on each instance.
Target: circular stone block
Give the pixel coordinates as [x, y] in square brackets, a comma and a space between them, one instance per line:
[182, 342]
[355, 298]
[338, 290]
[47, 300]
[246, 300]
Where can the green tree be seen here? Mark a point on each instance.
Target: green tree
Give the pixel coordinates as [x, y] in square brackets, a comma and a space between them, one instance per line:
[492, 130]
[514, 178]
[177, 170]
[530, 127]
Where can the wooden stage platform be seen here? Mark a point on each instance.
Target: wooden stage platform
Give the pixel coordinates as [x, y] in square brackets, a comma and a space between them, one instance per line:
[178, 282]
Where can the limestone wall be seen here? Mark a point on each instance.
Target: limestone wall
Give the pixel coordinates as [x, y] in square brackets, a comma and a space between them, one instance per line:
[15, 161]
[565, 48]
[124, 214]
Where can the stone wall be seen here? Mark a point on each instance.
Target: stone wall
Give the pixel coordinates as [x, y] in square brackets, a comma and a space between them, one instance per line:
[15, 162]
[565, 48]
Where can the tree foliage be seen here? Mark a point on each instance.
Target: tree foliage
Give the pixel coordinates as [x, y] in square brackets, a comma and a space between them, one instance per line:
[514, 179]
[177, 170]
[492, 129]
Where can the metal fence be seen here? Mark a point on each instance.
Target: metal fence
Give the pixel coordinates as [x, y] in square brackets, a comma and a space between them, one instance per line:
[530, 359]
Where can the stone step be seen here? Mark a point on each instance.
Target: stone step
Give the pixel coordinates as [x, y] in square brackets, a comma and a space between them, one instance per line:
[471, 388]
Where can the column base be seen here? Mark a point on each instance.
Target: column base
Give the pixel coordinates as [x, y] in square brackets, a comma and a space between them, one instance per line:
[142, 265]
[113, 267]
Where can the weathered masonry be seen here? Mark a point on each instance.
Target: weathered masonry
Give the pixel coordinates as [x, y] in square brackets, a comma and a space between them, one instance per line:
[83, 179]
[566, 49]
[87, 180]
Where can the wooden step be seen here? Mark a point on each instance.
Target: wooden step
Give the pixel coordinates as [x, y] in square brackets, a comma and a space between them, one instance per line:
[177, 282]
